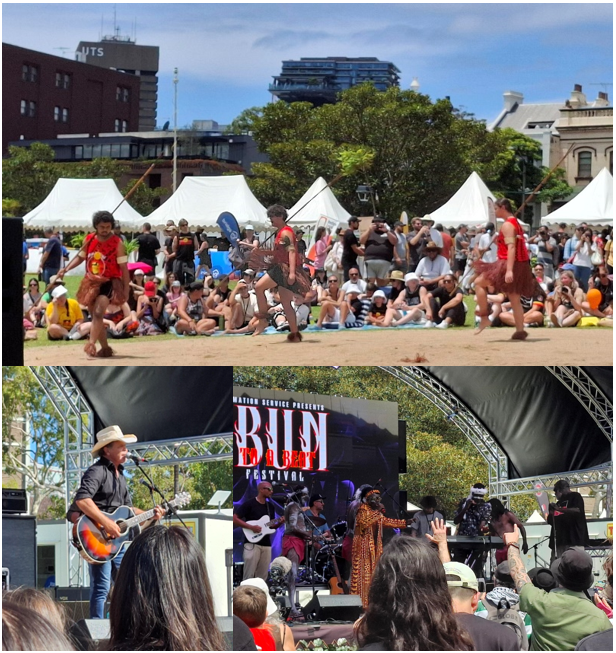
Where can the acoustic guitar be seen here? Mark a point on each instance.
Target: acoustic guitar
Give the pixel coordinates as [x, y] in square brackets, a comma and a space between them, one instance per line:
[94, 543]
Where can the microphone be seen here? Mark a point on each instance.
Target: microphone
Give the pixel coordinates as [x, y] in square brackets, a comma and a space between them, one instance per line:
[136, 459]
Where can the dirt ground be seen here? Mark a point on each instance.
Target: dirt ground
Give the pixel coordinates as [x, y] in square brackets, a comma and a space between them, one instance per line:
[389, 347]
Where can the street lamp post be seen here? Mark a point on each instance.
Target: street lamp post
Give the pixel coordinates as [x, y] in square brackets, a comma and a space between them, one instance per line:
[365, 194]
[175, 128]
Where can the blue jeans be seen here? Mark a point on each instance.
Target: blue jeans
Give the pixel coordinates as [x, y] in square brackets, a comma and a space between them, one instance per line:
[582, 274]
[100, 583]
[48, 273]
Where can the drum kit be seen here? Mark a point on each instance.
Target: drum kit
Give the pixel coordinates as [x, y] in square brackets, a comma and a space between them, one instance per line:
[319, 563]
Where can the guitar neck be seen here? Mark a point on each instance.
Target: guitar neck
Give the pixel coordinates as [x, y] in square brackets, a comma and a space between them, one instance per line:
[140, 518]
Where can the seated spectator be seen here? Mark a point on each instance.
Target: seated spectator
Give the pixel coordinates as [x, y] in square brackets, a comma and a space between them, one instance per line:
[302, 315]
[243, 304]
[250, 605]
[377, 310]
[504, 596]
[318, 287]
[32, 297]
[169, 279]
[604, 593]
[354, 280]
[24, 629]
[411, 305]
[332, 299]
[433, 267]
[162, 598]
[533, 307]
[543, 280]
[604, 283]
[120, 320]
[445, 304]
[217, 301]
[249, 277]
[561, 310]
[148, 312]
[192, 311]
[135, 288]
[242, 637]
[397, 285]
[45, 300]
[353, 310]
[409, 607]
[173, 297]
[464, 591]
[63, 315]
[563, 617]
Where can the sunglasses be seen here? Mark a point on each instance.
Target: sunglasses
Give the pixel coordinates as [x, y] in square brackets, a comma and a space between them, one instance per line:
[353, 274]
[333, 281]
[447, 280]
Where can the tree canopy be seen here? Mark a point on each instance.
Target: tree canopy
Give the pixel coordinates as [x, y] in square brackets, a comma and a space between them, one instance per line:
[424, 150]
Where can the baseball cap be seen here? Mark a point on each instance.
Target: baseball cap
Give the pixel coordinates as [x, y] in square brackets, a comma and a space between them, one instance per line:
[249, 271]
[398, 223]
[378, 218]
[316, 497]
[379, 293]
[249, 227]
[138, 271]
[353, 218]
[353, 288]
[58, 291]
[411, 276]
[150, 289]
[573, 570]
[176, 284]
[462, 576]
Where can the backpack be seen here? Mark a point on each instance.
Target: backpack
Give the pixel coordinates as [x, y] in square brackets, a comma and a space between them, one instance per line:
[508, 616]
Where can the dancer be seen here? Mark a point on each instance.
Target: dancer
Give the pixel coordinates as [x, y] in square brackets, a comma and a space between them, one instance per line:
[511, 274]
[106, 280]
[284, 269]
[368, 540]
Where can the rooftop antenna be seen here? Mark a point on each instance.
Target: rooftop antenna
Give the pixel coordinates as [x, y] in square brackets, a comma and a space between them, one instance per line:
[115, 24]
[64, 50]
[100, 36]
[603, 84]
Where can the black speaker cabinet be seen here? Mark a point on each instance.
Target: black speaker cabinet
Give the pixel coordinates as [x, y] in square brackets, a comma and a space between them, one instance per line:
[89, 633]
[341, 607]
[14, 502]
[12, 283]
[70, 594]
[19, 549]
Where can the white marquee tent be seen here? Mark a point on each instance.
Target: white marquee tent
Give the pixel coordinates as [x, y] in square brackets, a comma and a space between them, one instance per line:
[468, 206]
[200, 200]
[593, 205]
[72, 202]
[324, 209]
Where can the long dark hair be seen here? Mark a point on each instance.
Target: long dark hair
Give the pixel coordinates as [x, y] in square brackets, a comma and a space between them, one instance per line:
[162, 598]
[409, 605]
[498, 508]
[319, 234]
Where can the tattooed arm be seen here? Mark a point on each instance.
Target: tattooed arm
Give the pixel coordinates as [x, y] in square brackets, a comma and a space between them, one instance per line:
[516, 566]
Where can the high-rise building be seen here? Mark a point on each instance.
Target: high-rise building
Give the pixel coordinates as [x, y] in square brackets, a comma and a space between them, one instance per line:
[319, 80]
[123, 54]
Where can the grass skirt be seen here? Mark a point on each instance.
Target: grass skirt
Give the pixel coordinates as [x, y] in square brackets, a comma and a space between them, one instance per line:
[524, 282]
[90, 286]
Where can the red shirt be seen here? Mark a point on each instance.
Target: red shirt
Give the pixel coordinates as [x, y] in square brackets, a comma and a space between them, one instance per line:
[264, 639]
[447, 243]
[101, 257]
[521, 253]
[286, 242]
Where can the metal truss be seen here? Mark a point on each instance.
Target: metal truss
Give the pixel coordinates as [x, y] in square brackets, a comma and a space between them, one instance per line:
[460, 415]
[201, 448]
[588, 393]
[600, 475]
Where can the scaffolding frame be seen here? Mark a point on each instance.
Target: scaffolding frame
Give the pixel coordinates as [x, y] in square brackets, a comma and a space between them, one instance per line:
[79, 438]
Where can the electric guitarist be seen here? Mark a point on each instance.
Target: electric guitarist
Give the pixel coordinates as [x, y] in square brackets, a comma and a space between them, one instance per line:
[257, 555]
[103, 487]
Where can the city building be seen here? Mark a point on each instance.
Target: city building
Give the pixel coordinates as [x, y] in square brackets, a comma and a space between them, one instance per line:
[123, 54]
[44, 96]
[588, 126]
[319, 80]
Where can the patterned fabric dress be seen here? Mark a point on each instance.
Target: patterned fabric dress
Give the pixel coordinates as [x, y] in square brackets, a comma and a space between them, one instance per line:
[368, 546]
[103, 273]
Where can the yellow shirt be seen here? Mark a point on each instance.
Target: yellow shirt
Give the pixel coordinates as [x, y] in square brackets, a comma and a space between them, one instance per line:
[67, 315]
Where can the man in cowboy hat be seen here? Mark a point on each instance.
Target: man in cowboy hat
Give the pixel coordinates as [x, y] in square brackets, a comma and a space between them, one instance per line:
[103, 488]
[433, 267]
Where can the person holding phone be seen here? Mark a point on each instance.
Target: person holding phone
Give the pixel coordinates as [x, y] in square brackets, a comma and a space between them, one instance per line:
[149, 307]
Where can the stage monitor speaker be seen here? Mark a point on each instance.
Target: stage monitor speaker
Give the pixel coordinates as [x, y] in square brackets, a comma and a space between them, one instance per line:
[14, 502]
[88, 634]
[226, 626]
[341, 607]
[69, 594]
[12, 284]
[402, 447]
[19, 548]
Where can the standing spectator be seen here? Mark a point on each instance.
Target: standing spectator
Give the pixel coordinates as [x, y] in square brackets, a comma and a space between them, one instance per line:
[433, 267]
[401, 248]
[117, 230]
[422, 520]
[461, 250]
[26, 256]
[486, 248]
[170, 233]
[51, 261]
[248, 243]
[322, 246]
[464, 591]
[417, 239]
[203, 255]
[447, 242]
[333, 262]
[546, 246]
[350, 247]
[582, 262]
[571, 244]
[379, 243]
[184, 246]
[250, 605]
[446, 305]
[608, 252]
[24, 629]
[148, 246]
[301, 243]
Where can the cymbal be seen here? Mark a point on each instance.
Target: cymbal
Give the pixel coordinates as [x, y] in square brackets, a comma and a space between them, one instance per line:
[318, 521]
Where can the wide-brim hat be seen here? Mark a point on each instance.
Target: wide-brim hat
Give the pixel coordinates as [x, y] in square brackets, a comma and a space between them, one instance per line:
[432, 246]
[396, 275]
[573, 570]
[112, 434]
[542, 578]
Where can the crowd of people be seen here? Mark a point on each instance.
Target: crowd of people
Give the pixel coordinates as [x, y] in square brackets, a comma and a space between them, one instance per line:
[382, 277]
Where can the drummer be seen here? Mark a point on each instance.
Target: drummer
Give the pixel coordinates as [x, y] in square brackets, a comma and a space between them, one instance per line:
[316, 505]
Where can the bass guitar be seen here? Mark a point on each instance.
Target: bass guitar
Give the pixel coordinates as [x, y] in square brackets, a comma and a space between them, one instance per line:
[267, 526]
[96, 546]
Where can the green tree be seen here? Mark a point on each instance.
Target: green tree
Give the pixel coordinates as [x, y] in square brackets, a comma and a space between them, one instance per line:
[10, 208]
[32, 439]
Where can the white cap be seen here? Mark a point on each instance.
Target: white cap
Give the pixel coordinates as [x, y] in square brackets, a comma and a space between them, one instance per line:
[353, 288]
[249, 227]
[411, 276]
[379, 293]
[58, 291]
[138, 271]
[176, 284]
[262, 585]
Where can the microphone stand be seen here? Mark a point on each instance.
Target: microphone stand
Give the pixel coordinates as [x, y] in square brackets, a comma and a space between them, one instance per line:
[401, 511]
[165, 503]
[536, 546]
[313, 528]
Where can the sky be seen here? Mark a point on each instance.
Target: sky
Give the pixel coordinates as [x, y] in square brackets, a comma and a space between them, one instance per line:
[228, 53]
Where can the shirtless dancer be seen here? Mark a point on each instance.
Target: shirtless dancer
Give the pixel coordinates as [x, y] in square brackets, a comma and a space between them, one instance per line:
[503, 521]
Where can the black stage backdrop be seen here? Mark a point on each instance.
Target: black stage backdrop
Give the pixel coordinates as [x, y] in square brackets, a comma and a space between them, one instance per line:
[159, 403]
[335, 444]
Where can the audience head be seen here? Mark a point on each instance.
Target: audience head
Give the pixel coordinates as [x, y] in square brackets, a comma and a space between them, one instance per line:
[33, 285]
[450, 282]
[321, 231]
[353, 222]
[409, 607]
[463, 587]
[353, 275]
[250, 605]
[195, 289]
[432, 250]
[428, 503]
[573, 570]
[379, 298]
[260, 584]
[542, 578]
[502, 576]
[24, 629]
[40, 602]
[371, 288]
[162, 597]
[411, 280]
